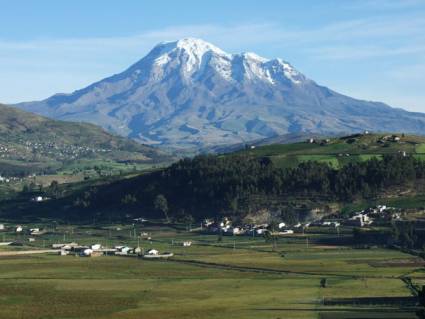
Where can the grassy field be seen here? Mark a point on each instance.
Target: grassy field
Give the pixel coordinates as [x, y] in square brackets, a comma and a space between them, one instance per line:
[338, 151]
[239, 277]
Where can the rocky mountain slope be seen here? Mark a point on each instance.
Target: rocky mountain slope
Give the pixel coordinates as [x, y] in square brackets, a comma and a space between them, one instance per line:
[191, 94]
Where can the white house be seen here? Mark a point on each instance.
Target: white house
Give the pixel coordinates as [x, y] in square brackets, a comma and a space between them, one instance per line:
[2, 227]
[187, 243]
[281, 225]
[87, 252]
[19, 229]
[153, 252]
[37, 199]
[236, 230]
[96, 246]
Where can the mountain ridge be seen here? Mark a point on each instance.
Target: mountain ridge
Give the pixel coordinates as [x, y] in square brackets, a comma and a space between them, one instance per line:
[191, 94]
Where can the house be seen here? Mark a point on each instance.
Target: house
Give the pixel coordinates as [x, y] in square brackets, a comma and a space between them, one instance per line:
[19, 229]
[152, 252]
[208, 222]
[37, 199]
[281, 225]
[65, 246]
[96, 247]
[187, 243]
[36, 231]
[31, 239]
[123, 250]
[2, 227]
[236, 230]
[311, 141]
[359, 220]
[381, 208]
[86, 252]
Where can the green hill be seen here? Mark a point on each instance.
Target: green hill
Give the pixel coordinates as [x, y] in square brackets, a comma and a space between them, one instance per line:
[339, 151]
[31, 143]
[292, 180]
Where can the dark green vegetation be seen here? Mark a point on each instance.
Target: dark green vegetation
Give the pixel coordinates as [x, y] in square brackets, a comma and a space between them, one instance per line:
[246, 182]
[33, 144]
[239, 277]
[208, 186]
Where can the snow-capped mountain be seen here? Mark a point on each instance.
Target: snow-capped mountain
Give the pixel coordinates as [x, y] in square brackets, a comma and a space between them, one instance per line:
[189, 93]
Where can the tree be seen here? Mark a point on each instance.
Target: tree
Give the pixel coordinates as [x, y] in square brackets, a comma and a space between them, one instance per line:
[161, 204]
[129, 199]
[54, 188]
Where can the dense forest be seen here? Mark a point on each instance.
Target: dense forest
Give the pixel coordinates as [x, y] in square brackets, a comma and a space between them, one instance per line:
[210, 185]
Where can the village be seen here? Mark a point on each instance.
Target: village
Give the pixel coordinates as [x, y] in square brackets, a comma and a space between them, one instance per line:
[46, 149]
[140, 243]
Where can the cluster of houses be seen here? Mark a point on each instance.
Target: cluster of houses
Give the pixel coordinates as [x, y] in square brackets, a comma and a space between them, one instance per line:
[363, 218]
[60, 151]
[380, 212]
[226, 227]
[4, 179]
[389, 138]
[358, 219]
[96, 250]
[321, 142]
[19, 229]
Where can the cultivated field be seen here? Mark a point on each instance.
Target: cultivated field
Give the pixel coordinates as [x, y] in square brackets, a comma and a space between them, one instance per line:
[238, 277]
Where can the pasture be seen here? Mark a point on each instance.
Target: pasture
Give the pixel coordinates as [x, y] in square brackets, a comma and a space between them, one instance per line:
[234, 277]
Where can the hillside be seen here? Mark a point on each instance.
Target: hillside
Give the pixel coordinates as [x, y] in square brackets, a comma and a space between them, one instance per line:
[189, 94]
[31, 143]
[339, 151]
[294, 179]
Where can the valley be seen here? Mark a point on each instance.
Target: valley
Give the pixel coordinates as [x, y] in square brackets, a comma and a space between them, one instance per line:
[148, 173]
[237, 277]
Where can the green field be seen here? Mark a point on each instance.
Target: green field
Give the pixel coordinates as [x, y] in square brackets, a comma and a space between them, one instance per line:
[338, 152]
[239, 277]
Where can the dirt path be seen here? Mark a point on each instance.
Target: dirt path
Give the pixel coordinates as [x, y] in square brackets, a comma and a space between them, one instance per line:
[27, 252]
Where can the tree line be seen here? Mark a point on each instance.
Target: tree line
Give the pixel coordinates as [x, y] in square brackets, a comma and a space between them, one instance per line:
[208, 185]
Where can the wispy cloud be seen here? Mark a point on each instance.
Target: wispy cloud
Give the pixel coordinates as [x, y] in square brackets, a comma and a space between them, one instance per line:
[339, 39]
[75, 62]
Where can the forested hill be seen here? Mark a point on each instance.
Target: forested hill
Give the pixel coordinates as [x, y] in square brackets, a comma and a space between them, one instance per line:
[208, 186]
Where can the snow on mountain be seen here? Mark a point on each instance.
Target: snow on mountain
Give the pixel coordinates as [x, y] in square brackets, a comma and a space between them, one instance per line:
[190, 93]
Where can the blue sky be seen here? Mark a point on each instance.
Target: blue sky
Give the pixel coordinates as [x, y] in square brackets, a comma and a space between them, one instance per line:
[369, 49]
